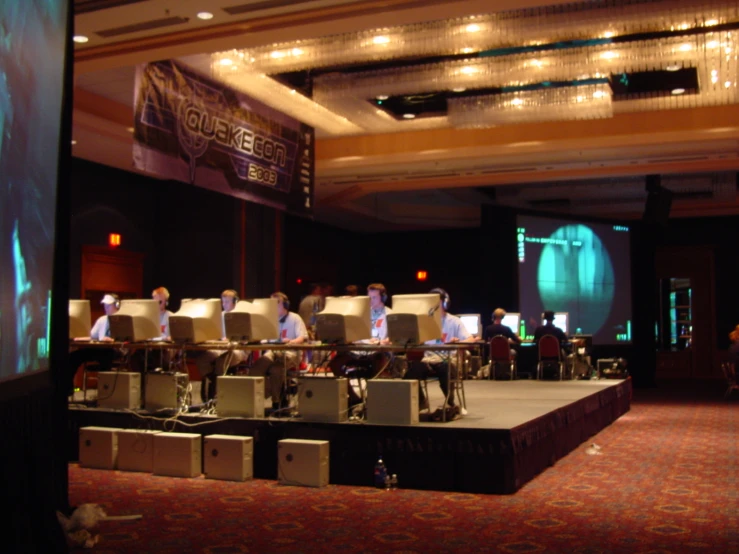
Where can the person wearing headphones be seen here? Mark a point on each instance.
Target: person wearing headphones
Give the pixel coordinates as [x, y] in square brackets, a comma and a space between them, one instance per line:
[161, 295]
[100, 332]
[158, 357]
[276, 363]
[212, 363]
[438, 362]
[548, 328]
[366, 364]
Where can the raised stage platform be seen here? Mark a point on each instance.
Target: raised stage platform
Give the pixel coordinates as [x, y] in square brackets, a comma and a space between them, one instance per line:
[512, 431]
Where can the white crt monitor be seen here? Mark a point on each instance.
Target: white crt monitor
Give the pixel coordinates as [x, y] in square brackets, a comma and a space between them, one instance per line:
[512, 321]
[80, 320]
[136, 320]
[253, 321]
[344, 320]
[416, 319]
[471, 323]
[197, 321]
[561, 320]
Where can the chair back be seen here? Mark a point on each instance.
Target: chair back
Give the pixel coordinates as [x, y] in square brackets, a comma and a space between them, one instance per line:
[500, 350]
[729, 372]
[549, 347]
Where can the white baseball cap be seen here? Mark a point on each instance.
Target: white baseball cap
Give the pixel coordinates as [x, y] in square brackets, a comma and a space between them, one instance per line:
[108, 299]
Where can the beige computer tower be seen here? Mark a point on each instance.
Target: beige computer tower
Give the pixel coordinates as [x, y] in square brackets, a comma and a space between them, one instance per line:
[165, 391]
[119, 390]
[177, 454]
[240, 396]
[228, 457]
[98, 447]
[323, 400]
[392, 401]
[136, 449]
[302, 462]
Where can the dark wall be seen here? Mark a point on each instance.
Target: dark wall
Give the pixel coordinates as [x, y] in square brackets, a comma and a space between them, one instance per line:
[451, 259]
[721, 234]
[191, 237]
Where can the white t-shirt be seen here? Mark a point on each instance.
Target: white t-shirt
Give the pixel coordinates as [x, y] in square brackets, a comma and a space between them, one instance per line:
[164, 323]
[378, 321]
[451, 328]
[101, 329]
[292, 327]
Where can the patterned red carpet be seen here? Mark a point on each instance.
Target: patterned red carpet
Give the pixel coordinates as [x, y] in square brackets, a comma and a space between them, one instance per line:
[664, 480]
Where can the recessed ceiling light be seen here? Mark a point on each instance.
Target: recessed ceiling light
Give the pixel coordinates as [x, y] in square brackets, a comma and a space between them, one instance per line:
[459, 89]
[277, 54]
[380, 39]
[226, 61]
[677, 91]
[382, 97]
[711, 22]
[467, 50]
[727, 84]
[469, 70]
[609, 55]
[686, 47]
[80, 39]
[472, 28]
[599, 94]
[296, 51]
[713, 44]
[205, 15]
[516, 102]
[409, 116]
[673, 67]
[608, 34]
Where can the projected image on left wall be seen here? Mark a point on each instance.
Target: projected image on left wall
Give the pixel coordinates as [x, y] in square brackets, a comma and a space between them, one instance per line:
[32, 35]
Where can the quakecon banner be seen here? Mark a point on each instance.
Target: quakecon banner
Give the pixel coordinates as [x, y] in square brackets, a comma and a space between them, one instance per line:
[192, 129]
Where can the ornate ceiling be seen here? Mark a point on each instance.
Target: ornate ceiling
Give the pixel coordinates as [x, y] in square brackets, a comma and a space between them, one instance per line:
[564, 106]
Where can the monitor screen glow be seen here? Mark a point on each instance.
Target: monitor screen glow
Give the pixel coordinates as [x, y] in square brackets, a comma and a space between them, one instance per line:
[561, 319]
[471, 323]
[512, 321]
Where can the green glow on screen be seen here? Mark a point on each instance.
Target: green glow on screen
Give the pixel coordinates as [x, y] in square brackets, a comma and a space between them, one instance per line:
[577, 276]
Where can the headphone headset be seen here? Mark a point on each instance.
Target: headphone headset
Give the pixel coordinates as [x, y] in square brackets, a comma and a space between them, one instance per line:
[231, 292]
[164, 292]
[284, 299]
[381, 289]
[445, 300]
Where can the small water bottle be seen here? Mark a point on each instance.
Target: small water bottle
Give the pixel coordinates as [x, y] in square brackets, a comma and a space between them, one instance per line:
[380, 473]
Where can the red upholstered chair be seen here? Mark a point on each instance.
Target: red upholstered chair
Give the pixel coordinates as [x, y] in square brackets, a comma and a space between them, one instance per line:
[500, 356]
[549, 353]
[730, 375]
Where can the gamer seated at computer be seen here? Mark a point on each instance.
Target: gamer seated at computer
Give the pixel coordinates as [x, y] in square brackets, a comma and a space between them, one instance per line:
[212, 363]
[366, 364]
[497, 328]
[275, 363]
[160, 357]
[437, 363]
[548, 328]
[100, 332]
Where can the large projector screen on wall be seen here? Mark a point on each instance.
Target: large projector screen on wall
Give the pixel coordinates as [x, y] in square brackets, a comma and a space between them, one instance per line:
[32, 76]
[577, 267]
